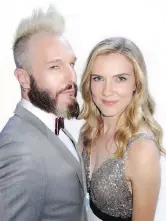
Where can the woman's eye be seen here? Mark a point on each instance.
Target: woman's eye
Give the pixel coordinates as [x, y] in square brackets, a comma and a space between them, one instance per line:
[97, 78]
[121, 79]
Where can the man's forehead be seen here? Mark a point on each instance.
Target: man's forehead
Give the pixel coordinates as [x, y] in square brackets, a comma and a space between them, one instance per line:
[51, 44]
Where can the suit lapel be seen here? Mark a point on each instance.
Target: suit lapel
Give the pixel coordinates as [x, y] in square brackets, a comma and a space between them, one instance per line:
[60, 146]
[73, 141]
[81, 160]
[30, 118]
[65, 152]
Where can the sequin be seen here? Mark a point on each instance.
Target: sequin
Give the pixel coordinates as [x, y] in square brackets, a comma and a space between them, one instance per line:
[107, 187]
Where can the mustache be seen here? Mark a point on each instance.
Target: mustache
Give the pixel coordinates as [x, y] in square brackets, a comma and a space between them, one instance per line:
[69, 87]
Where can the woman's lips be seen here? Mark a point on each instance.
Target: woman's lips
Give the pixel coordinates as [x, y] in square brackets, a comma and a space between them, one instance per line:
[109, 102]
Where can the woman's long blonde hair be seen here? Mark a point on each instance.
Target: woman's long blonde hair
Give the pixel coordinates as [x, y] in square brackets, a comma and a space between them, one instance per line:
[139, 111]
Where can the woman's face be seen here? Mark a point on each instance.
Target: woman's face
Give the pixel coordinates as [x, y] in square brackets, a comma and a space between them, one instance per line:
[112, 83]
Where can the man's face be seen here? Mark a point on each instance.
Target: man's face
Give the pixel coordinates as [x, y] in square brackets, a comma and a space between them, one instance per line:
[53, 79]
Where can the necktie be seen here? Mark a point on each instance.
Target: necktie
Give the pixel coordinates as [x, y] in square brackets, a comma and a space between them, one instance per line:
[59, 124]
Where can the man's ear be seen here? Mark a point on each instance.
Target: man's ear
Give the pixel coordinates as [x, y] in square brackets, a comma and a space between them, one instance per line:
[23, 78]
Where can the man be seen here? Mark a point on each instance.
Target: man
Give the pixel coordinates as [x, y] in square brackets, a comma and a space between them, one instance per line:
[40, 168]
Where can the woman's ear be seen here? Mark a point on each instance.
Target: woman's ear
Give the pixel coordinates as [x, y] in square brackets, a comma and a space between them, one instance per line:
[134, 88]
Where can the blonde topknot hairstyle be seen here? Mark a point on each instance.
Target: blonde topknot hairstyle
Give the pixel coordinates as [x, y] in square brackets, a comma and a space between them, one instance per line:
[139, 112]
[50, 21]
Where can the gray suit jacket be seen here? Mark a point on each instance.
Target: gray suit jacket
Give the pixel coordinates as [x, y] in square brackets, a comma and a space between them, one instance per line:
[40, 180]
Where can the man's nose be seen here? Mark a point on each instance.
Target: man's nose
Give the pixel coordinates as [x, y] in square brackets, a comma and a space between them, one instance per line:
[70, 74]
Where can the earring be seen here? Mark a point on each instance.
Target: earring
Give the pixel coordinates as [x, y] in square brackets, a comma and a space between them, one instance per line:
[23, 89]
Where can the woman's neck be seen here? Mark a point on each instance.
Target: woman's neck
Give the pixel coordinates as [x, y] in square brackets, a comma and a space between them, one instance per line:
[109, 125]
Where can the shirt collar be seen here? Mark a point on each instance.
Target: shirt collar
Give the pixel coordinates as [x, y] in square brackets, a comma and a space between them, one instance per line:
[47, 118]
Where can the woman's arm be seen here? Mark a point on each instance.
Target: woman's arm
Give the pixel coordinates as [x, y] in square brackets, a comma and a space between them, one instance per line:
[144, 173]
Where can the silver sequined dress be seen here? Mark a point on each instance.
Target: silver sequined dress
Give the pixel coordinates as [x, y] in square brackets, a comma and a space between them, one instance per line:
[108, 189]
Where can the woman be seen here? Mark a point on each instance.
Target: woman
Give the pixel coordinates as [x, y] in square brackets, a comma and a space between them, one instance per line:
[120, 140]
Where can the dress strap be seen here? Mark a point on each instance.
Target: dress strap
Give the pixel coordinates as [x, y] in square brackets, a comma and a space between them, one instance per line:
[138, 136]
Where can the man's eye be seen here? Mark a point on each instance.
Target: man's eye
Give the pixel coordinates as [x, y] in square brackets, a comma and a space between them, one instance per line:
[54, 67]
[72, 65]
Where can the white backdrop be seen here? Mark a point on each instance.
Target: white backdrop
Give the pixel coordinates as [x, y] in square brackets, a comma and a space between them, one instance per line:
[89, 21]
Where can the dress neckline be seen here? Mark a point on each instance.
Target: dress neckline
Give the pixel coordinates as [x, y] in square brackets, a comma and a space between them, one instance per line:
[131, 140]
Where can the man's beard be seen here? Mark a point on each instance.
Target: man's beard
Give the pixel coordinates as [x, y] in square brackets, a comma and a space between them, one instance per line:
[43, 100]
